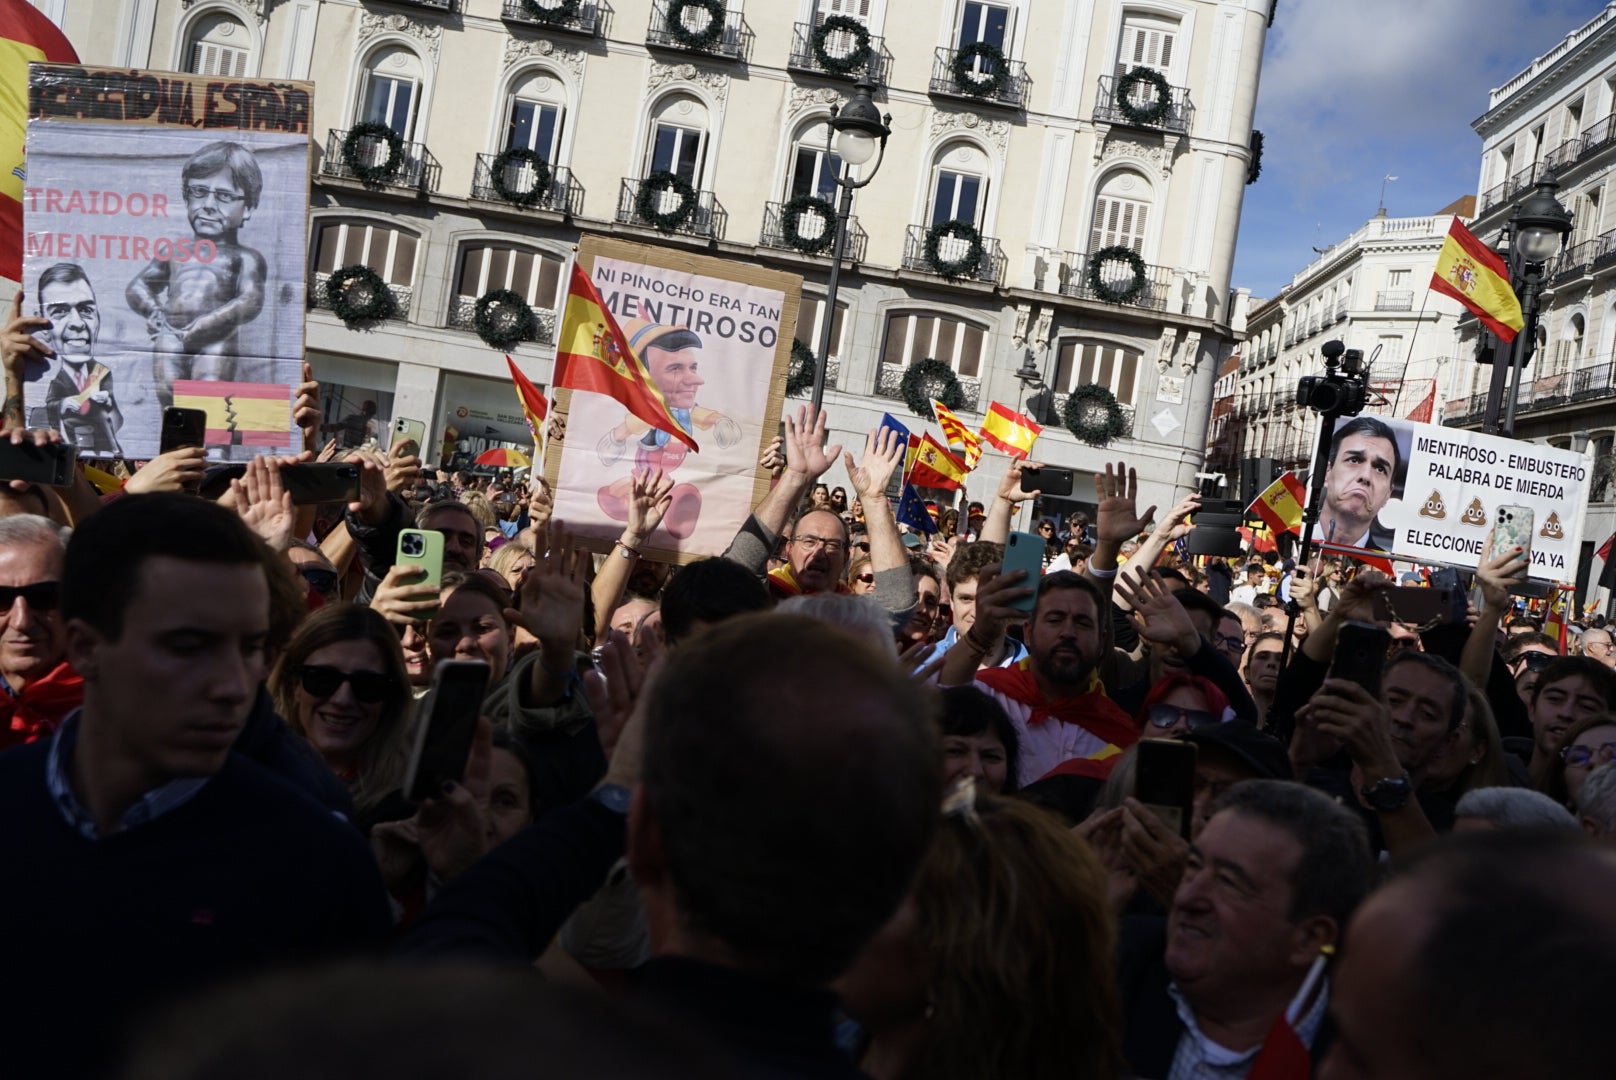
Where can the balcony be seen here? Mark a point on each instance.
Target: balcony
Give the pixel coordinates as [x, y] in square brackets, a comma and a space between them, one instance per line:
[811, 226]
[889, 379]
[1179, 116]
[1116, 274]
[1522, 180]
[402, 295]
[463, 316]
[988, 265]
[1312, 326]
[1573, 262]
[706, 219]
[430, 5]
[1605, 252]
[562, 195]
[838, 45]
[1341, 311]
[1058, 407]
[1011, 91]
[833, 371]
[732, 40]
[1597, 137]
[1394, 300]
[585, 21]
[1566, 388]
[415, 168]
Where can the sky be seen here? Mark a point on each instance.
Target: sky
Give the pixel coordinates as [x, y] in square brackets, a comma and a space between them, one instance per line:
[1352, 92]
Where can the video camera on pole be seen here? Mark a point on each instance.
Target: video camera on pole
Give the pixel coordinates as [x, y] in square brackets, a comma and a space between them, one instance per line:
[1343, 389]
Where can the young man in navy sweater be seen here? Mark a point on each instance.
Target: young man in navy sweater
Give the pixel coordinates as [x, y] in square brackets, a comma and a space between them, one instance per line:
[145, 859]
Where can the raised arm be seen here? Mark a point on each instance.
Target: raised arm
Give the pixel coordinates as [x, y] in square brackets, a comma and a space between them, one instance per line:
[1494, 576]
[1116, 522]
[883, 452]
[996, 527]
[807, 458]
[1175, 525]
[648, 501]
[18, 349]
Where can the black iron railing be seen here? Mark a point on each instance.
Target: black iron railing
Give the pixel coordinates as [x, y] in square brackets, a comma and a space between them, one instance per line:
[1117, 275]
[989, 265]
[416, 169]
[732, 42]
[463, 316]
[561, 195]
[586, 20]
[1178, 117]
[803, 57]
[976, 85]
[889, 384]
[773, 234]
[706, 218]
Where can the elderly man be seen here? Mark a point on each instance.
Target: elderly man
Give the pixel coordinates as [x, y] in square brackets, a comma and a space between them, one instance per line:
[38, 687]
[1597, 643]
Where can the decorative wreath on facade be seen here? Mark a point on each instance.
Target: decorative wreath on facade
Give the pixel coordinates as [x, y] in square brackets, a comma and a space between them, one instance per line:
[650, 197]
[930, 380]
[854, 58]
[968, 263]
[1117, 292]
[354, 152]
[502, 318]
[993, 77]
[555, 13]
[357, 294]
[803, 364]
[1093, 415]
[791, 224]
[1153, 113]
[1254, 170]
[520, 155]
[707, 36]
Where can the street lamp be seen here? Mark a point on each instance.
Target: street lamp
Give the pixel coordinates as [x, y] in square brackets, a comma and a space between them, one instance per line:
[1537, 230]
[858, 132]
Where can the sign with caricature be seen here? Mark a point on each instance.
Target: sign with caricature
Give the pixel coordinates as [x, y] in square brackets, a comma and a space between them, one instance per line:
[164, 239]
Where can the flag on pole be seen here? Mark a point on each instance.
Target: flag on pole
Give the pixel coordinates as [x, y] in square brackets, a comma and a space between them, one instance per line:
[956, 434]
[935, 467]
[1284, 1056]
[534, 407]
[1280, 505]
[25, 35]
[1554, 620]
[592, 354]
[1007, 430]
[1607, 576]
[1368, 556]
[1426, 408]
[1476, 276]
[912, 512]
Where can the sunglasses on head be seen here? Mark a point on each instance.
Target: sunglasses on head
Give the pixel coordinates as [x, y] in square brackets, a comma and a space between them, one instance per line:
[322, 682]
[43, 595]
[1165, 716]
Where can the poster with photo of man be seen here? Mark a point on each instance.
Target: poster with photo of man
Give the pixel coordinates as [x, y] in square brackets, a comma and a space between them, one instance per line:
[164, 239]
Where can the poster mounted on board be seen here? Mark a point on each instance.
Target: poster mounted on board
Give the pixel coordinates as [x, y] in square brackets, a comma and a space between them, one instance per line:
[164, 235]
[1431, 493]
[716, 338]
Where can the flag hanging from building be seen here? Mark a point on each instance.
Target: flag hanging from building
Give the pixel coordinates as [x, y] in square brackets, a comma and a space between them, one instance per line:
[534, 407]
[25, 35]
[1008, 430]
[592, 354]
[1426, 408]
[1477, 277]
[1280, 505]
[935, 467]
[1607, 576]
[912, 512]
[956, 434]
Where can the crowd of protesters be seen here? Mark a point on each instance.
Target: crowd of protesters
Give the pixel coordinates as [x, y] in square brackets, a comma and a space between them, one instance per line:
[846, 801]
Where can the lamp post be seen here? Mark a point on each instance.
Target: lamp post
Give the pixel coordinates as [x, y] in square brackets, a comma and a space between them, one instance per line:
[858, 132]
[1537, 230]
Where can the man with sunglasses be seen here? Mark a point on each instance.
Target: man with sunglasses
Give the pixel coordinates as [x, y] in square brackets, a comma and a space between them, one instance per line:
[38, 687]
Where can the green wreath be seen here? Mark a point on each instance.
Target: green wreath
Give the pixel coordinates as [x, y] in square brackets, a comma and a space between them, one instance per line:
[849, 62]
[557, 13]
[514, 155]
[996, 69]
[357, 294]
[968, 263]
[1254, 170]
[1151, 114]
[803, 365]
[1093, 415]
[1121, 292]
[707, 36]
[791, 219]
[930, 380]
[502, 318]
[651, 189]
[382, 171]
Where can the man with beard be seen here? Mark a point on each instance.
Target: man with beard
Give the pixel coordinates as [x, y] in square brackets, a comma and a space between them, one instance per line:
[1357, 483]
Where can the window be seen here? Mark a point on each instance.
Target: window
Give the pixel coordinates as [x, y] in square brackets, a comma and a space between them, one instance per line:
[984, 22]
[1146, 42]
[391, 98]
[959, 185]
[810, 315]
[532, 275]
[1506, 163]
[852, 9]
[1097, 363]
[1121, 213]
[814, 169]
[1537, 144]
[678, 141]
[219, 46]
[1397, 279]
[911, 338]
[534, 123]
[388, 251]
[1587, 219]
[1570, 349]
[1573, 121]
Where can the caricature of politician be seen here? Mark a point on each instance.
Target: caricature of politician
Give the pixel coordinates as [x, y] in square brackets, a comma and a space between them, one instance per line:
[671, 355]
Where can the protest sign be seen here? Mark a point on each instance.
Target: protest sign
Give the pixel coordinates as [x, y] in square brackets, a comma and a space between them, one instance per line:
[164, 222]
[1431, 493]
[716, 338]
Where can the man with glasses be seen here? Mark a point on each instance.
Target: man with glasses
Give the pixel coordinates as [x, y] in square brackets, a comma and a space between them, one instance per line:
[1597, 643]
[38, 687]
[194, 306]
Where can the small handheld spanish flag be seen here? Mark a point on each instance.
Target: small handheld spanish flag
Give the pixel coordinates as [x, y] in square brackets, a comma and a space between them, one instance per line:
[1280, 505]
[1007, 430]
[935, 467]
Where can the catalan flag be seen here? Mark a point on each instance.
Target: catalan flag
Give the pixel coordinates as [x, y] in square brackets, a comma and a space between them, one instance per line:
[1476, 276]
[592, 354]
[955, 433]
[935, 467]
[534, 407]
[1007, 430]
[25, 35]
[1280, 505]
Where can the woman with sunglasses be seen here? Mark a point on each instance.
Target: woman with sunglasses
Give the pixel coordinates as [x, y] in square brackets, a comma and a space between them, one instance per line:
[1179, 704]
[1587, 744]
[861, 577]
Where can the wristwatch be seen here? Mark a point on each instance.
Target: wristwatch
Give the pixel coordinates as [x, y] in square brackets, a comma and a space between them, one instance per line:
[1388, 794]
[614, 797]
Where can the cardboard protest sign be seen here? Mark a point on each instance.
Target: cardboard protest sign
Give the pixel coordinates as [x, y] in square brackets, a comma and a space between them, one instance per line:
[164, 222]
[1431, 493]
[716, 338]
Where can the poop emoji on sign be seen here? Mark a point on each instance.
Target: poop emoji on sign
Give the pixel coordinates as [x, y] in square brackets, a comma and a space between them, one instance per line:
[1475, 513]
[1433, 507]
[1551, 528]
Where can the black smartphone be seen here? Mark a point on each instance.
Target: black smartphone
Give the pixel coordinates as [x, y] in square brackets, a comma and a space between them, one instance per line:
[1360, 654]
[448, 723]
[1047, 481]
[182, 428]
[1418, 606]
[321, 482]
[1215, 529]
[1458, 586]
[1164, 780]
[50, 465]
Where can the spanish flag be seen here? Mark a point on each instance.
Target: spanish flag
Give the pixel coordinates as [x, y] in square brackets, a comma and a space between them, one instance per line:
[240, 414]
[955, 433]
[1008, 430]
[1475, 275]
[1281, 504]
[534, 407]
[592, 354]
[935, 467]
[1554, 618]
[25, 35]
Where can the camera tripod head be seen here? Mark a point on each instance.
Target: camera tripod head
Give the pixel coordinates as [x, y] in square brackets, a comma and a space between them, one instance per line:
[1344, 388]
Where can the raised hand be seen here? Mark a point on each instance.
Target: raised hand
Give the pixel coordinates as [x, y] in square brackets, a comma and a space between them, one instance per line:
[18, 350]
[1344, 711]
[1304, 589]
[550, 596]
[403, 467]
[648, 501]
[883, 453]
[1117, 519]
[404, 598]
[806, 452]
[1357, 599]
[1157, 614]
[996, 592]
[1010, 489]
[371, 506]
[264, 503]
[177, 470]
[774, 455]
[1497, 574]
[306, 409]
[613, 688]
[1176, 524]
